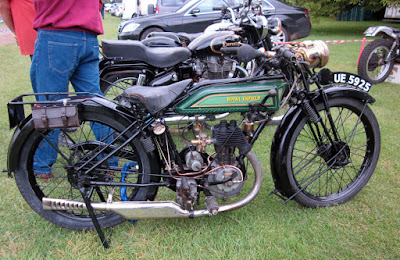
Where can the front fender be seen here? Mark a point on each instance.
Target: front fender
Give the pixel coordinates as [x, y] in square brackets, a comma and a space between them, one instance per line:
[294, 114]
[26, 127]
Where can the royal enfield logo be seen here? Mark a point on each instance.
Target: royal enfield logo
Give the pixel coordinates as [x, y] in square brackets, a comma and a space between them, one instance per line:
[238, 99]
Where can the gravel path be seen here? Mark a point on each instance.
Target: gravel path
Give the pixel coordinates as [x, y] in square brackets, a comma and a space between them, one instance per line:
[6, 36]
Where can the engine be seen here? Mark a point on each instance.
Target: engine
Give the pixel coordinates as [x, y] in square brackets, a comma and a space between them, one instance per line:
[218, 67]
[224, 176]
[227, 172]
[211, 63]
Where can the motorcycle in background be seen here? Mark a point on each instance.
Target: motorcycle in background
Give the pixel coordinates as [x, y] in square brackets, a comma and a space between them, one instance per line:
[378, 58]
[167, 58]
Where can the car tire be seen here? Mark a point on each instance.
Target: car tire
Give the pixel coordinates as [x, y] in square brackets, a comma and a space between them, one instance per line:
[148, 31]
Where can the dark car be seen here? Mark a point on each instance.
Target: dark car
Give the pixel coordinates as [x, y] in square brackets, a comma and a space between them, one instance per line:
[196, 15]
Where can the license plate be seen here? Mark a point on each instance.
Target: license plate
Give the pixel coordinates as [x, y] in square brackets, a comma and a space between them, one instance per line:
[351, 79]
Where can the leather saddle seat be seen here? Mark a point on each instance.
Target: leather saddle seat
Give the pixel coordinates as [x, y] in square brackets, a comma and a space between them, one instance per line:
[161, 57]
[155, 99]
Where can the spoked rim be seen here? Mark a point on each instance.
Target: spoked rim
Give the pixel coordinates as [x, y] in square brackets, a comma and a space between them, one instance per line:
[377, 71]
[73, 150]
[326, 171]
[119, 86]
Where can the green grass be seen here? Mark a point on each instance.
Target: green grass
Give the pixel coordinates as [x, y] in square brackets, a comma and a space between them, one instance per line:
[366, 227]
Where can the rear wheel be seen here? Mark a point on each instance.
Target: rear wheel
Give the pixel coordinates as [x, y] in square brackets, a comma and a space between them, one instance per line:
[73, 150]
[372, 65]
[324, 173]
[115, 84]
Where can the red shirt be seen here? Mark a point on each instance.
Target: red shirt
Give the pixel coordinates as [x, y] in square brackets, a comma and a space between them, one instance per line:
[23, 14]
[73, 15]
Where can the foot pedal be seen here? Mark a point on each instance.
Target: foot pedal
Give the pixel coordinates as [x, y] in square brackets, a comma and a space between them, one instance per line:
[212, 205]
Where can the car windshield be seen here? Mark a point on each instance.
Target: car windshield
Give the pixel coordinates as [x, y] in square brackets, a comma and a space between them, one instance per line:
[186, 6]
[172, 2]
[209, 3]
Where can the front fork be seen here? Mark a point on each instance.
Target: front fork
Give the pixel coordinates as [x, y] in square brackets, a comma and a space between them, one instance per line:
[392, 53]
[314, 119]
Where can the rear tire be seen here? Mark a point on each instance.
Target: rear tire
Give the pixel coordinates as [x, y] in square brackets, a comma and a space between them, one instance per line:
[371, 65]
[81, 144]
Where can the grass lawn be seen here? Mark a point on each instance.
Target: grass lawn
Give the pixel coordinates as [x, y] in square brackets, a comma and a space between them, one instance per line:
[367, 227]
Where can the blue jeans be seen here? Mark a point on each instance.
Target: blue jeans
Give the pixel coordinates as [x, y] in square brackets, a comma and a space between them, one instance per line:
[61, 57]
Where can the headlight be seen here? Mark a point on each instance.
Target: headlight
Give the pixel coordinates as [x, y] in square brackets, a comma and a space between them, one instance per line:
[130, 27]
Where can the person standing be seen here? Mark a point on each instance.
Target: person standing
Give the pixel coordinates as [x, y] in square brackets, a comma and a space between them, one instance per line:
[66, 51]
[18, 15]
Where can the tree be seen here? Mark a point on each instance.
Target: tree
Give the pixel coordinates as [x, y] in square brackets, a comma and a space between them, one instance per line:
[333, 8]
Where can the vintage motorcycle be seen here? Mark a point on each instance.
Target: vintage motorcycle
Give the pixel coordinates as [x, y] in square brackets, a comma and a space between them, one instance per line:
[378, 58]
[165, 58]
[120, 154]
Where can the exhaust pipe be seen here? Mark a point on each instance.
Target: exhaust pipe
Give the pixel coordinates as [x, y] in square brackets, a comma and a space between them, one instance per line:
[159, 209]
[127, 209]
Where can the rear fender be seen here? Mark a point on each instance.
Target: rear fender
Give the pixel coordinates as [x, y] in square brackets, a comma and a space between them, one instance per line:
[380, 31]
[26, 127]
[108, 68]
[295, 114]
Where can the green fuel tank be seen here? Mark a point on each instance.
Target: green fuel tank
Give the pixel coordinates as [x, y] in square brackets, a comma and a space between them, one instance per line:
[232, 97]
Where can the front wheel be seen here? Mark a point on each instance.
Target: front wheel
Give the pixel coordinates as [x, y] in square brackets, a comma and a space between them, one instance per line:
[373, 65]
[319, 172]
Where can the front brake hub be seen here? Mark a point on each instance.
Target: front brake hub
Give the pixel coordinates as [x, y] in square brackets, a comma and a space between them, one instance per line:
[336, 155]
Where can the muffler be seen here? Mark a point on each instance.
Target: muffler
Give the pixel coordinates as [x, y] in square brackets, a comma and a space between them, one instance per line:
[127, 209]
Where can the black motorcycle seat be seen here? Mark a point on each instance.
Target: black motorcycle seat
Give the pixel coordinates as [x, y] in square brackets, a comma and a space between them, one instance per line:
[181, 38]
[160, 41]
[161, 57]
[155, 98]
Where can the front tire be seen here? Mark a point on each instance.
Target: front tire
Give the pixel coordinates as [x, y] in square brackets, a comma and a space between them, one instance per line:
[75, 147]
[320, 174]
[372, 65]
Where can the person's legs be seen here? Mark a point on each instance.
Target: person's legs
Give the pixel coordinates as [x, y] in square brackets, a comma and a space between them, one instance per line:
[86, 76]
[86, 79]
[54, 61]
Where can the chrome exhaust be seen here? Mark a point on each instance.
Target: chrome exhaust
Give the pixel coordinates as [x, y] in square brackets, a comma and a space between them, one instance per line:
[157, 209]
